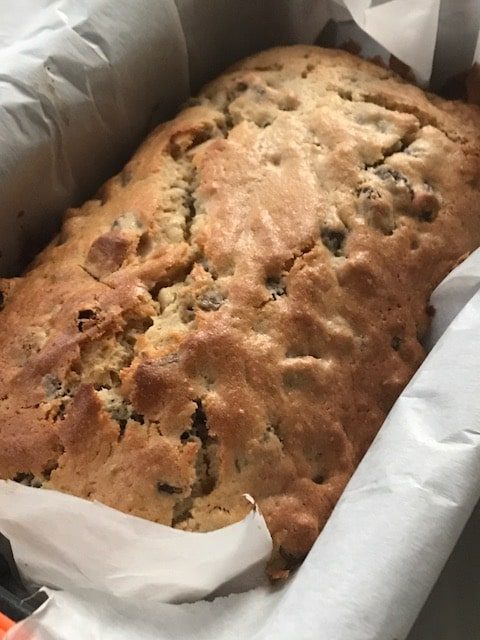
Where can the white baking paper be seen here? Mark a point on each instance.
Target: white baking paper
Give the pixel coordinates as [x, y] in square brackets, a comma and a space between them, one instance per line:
[397, 24]
[81, 546]
[78, 84]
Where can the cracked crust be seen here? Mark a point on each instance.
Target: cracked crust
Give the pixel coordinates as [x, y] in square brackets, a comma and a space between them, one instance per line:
[240, 307]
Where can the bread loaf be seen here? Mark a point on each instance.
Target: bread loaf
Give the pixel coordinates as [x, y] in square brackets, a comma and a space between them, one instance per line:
[237, 310]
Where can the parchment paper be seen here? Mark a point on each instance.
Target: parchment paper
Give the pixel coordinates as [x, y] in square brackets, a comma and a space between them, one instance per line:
[77, 88]
[81, 546]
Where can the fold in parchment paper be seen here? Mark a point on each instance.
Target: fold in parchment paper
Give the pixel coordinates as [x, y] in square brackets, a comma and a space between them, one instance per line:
[78, 86]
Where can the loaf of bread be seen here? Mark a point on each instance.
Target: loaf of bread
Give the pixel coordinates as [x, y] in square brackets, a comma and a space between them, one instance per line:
[237, 310]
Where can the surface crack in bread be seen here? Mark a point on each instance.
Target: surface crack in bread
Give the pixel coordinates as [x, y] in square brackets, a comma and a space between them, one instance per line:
[393, 104]
[238, 309]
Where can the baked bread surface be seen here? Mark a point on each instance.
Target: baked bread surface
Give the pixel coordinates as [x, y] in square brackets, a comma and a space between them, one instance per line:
[239, 308]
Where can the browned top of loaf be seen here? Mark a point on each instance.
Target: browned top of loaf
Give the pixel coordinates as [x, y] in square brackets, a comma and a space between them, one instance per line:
[240, 307]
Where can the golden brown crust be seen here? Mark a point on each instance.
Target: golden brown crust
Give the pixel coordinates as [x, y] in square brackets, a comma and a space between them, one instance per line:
[240, 307]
